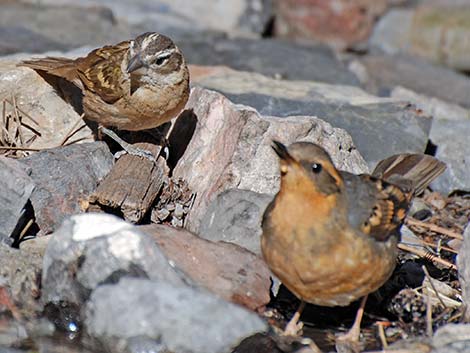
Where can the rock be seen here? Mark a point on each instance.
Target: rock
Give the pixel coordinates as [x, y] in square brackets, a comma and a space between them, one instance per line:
[15, 189]
[384, 72]
[182, 319]
[240, 17]
[15, 39]
[230, 148]
[339, 23]
[13, 334]
[50, 119]
[235, 217]
[20, 272]
[64, 179]
[435, 31]
[435, 107]
[451, 139]
[350, 108]
[286, 60]
[225, 269]
[89, 250]
[449, 132]
[55, 25]
[463, 266]
[452, 338]
[389, 37]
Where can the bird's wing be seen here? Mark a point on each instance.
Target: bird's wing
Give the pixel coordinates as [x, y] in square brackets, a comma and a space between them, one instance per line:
[101, 72]
[375, 207]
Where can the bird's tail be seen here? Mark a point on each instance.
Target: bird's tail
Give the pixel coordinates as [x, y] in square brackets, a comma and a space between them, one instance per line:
[413, 172]
[62, 67]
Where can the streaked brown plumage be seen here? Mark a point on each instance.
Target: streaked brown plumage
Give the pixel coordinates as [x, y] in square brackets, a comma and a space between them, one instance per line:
[133, 85]
[331, 236]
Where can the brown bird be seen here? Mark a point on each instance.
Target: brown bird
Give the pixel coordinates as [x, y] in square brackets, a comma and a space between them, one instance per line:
[331, 236]
[133, 85]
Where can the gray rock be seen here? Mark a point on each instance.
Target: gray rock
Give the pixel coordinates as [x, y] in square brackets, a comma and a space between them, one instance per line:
[379, 127]
[451, 139]
[19, 272]
[235, 216]
[63, 177]
[435, 107]
[433, 30]
[12, 334]
[15, 189]
[449, 132]
[92, 249]
[14, 39]
[452, 338]
[230, 148]
[384, 72]
[389, 37]
[57, 26]
[181, 318]
[463, 266]
[240, 17]
[272, 57]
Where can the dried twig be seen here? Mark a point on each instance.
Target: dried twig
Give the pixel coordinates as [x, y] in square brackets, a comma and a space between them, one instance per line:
[26, 115]
[426, 255]
[17, 119]
[425, 270]
[73, 130]
[25, 229]
[434, 228]
[446, 248]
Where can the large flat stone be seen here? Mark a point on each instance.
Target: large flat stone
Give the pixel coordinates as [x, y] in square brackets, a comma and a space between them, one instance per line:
[380, 127]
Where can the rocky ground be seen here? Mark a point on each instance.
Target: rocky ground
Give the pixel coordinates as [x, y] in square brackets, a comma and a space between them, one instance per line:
[174, 265]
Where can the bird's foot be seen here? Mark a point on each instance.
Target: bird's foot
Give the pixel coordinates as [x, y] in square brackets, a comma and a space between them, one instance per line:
[127, 147]
[293, 327]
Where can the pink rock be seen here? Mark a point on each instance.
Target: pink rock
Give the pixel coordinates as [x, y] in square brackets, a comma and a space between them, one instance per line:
[226, 269]
[341, 23]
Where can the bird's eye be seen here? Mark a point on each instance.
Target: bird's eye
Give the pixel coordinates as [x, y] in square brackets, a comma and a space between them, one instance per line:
[161, 60]
[316, 168]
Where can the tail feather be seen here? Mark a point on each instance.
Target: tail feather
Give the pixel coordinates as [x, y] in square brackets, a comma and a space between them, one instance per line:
[410, 171]
[62, 67]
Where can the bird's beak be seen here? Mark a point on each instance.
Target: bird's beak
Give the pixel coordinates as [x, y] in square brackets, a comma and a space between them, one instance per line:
[281, 151]
[135, 63]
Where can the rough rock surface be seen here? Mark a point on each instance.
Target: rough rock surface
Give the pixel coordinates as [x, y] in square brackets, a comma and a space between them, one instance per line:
[235, 216]
[463, 265]
[89, 250]
[51, 116]
[452, 338]
[384, 72]
[243, 157]
[228, 270]
[380, 127]
[64, 178]
[20, 272]
[182, 319]
[449, 133]
[286, 60]
[15, 189]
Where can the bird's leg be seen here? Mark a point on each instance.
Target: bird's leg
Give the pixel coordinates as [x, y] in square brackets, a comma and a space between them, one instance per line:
[355, 331]
[128, 148]
[293, 327]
